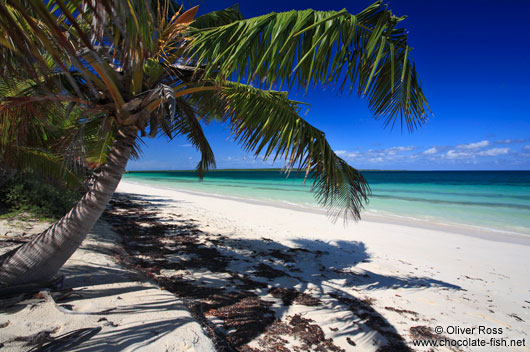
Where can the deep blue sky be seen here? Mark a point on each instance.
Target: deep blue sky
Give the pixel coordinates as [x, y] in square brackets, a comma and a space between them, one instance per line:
[473, 58]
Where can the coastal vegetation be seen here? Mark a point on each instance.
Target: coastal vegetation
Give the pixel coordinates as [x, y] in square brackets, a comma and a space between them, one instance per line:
[87, 80]
[29, 194]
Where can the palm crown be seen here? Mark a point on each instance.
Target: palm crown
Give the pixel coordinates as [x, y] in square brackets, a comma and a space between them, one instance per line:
[134, 66]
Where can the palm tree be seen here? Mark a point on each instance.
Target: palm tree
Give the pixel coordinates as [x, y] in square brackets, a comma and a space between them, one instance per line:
[39, 138]
[137, 68]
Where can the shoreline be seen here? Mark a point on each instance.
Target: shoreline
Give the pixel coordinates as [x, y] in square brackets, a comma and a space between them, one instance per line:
[166, 267]
[414, 278]
[461, 229]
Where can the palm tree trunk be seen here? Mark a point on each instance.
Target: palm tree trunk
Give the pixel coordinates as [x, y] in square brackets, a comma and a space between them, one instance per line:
[39, 260]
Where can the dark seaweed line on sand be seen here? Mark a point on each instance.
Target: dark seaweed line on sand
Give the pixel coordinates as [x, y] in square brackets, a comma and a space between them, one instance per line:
[244, 314]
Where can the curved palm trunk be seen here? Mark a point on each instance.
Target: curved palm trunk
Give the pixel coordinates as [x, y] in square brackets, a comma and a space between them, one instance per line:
[40, 259]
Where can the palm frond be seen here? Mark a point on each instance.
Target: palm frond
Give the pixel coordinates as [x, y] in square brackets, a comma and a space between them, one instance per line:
[186, 123]
[363, 52]
[218, 18]
[268, 124]
[43, 162]
[137, 153]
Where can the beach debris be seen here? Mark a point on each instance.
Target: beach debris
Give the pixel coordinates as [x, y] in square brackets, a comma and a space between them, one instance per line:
[187, 289]
[279, 254]
[516, 317]
[247, 282]
[369, 300]
[375, 321]
[291, 295]
[350, 341]
[245, 319]
[225, 282]
[304, 336]
[422, 332]
[401, 311]
[37, 338]
[267, 271]
[110, 323]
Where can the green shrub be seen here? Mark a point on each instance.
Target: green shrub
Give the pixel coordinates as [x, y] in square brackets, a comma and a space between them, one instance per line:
[33, 195]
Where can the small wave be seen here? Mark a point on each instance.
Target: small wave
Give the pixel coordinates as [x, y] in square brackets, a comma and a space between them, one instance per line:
[439, 201]
[466, 194]
[439, 221]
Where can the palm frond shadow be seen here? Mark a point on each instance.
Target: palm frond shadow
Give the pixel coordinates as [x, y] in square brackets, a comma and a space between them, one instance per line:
[137, 336]
[234, 278]
[95, 289]
[78, 277]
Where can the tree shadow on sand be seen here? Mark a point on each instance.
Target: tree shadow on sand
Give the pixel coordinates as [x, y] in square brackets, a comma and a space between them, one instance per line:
[100, 291]
[241, 289]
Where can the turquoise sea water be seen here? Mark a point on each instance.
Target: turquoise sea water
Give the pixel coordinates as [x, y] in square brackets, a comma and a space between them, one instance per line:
[498, 200]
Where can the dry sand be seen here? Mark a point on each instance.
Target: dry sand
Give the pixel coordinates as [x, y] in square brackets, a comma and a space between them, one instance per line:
[375, 281]
[134, 315]
[447, 277]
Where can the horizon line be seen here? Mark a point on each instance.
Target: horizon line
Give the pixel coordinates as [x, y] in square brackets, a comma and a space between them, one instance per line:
[295, 169]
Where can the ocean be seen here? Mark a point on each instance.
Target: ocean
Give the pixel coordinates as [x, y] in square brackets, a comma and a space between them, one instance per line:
[494, 200]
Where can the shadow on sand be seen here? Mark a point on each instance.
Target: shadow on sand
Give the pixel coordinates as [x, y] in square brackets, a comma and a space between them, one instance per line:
[241, 289]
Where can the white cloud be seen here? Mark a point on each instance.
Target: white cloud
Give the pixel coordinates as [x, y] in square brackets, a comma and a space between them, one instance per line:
[495, 152]
[376, 160]
[404, 149]
[353, 154]
[454, 154]
[185, 145]
[459, 154]
[510, 141]
[346, 154]
[526, 147]
[395, 150]
[378, 155]
[475, 145]
[431, 151]
[472, 153]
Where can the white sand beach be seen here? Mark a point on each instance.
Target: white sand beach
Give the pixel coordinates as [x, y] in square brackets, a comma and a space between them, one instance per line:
[370, 280]
[133, 314]
[449, 278]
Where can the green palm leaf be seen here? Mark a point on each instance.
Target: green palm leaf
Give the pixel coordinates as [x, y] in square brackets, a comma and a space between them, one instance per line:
[42, 162]
[362, 52]
[218, 18]
[135, 66]
[186, 123]
[268, 123]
